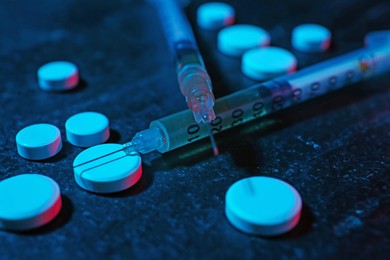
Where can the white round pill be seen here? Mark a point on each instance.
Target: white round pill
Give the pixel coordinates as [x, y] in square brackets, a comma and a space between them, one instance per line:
[237, 39]
[268, 62]
[263, 206]
[58, 76]
[87, 129]
[311, 38]
[215, 15]
[39, 141]
[28, 201]
[115, 172]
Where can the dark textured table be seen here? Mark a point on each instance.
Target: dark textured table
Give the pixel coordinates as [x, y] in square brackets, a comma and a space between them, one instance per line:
[333, 150]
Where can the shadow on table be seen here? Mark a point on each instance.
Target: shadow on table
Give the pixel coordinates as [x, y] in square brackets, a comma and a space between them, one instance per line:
[80, 87]
[59, 221]
[237, 142]
[304, 225]
[142, 185]
[114, 136]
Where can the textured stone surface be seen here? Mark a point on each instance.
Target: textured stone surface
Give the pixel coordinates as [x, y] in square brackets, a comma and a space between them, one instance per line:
[334, 150]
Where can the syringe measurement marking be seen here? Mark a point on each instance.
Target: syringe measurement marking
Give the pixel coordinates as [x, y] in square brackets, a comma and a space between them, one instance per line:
[193, 129]
[316, 86]
[278, 102]
[216, 125]
[297, 94]
[237, 116]
[257, 109]
[280, 99]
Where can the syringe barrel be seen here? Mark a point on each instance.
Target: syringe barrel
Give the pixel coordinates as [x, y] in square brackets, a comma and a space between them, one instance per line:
[176, 27]
[338, 72]
[248, 104]
[180, 129]
[194, 81]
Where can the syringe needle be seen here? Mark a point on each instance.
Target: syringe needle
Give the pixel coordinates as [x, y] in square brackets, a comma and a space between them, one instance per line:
[207, 121]
[145, 141]
[213, 142]
[99, 157]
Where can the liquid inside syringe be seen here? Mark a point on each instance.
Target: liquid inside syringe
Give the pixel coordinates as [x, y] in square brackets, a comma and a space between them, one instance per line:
[249, 104]
[180, 129]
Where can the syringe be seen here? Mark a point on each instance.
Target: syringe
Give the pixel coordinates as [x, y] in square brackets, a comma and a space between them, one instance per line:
[194, 81]
[180, 129]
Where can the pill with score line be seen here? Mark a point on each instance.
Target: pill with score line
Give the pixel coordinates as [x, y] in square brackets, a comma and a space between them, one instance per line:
[263, 206]
[114, 172]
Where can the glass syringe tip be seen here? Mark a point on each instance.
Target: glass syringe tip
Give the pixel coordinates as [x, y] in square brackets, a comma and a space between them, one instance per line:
[201, 106]
[195, 85]
[205, 115]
